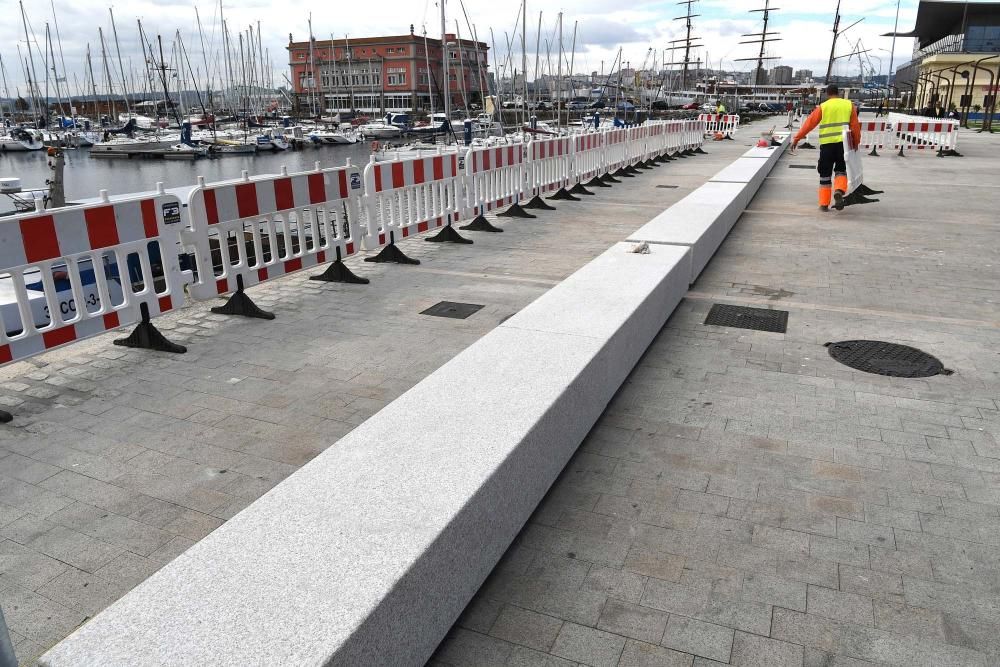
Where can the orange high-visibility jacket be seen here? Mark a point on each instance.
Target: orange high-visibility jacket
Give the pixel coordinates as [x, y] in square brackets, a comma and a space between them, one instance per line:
[817, 115]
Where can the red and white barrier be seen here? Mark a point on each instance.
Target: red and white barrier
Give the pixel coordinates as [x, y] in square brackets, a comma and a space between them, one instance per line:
[615, 150]
[876, 135]
[918, 133]
[636, 142]
[551, 163]
[588, 156]
[260, 228]
[727, 124]
[494, 178]
[411, 196]
[76, 272]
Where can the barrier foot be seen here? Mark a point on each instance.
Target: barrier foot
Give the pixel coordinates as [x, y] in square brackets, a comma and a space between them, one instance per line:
[539, 204]
[641, 165]
[857, 197]
[865, 190]
[663, 159]
[688, 151]
[480, 224]
[951, 152]
[596, 182]
[563, 195]
[5, 417]
[622, 173]
[874, 152]
[630, 169]
[608, 178]
[240, 304]
[900, 153]
[678, 154]
[578, 189]
[515, 211]
[701, 152]
[392, 254]
[338, 272]
[806, 144]
[148, 337]
[729, 137]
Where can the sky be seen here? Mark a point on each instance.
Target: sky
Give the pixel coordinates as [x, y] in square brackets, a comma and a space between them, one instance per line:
[639, 28]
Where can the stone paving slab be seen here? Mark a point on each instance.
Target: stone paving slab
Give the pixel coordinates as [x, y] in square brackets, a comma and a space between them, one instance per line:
[761, 503]
[119, 460]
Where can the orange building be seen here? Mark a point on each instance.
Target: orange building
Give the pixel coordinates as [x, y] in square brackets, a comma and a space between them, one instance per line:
[378, 74]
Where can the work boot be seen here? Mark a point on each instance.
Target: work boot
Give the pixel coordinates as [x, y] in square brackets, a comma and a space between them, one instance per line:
[824, 209]
[838, 200]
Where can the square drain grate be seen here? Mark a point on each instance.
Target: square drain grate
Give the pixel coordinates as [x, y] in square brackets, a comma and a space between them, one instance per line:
[742, 317]
[457, 311]
[801, 166]
[667, 186]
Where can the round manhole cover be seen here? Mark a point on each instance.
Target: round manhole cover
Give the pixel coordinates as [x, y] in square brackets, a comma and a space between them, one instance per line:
[881, 358]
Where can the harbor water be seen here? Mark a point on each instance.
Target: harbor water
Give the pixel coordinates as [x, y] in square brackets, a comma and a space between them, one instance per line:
[85, 176]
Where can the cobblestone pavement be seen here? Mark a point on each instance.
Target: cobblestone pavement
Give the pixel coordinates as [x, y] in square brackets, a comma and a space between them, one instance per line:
[118, 459]
[747, 500]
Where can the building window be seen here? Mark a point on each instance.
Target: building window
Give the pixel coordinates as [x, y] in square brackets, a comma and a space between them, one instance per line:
[397, 79]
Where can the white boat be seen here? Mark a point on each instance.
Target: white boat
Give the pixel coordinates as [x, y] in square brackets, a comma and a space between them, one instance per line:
[232, 149]
[334, 138]
[189, 149]
[21, 139]
[379, 130]
[142, 122]
[272, 140]
[139, 142]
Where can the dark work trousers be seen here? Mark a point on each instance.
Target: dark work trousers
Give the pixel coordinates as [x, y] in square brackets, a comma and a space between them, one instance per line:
[831, 161]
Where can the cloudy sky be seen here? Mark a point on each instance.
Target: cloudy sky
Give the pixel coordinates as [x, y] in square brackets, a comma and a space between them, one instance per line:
[602, 28]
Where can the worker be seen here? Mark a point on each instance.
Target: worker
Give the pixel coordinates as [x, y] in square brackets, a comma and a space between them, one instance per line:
[720, 108]
[832, 116]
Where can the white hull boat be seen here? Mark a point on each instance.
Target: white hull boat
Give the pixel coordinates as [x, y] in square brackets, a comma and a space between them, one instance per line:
[136, 143]
[20, 139]
[379, 131]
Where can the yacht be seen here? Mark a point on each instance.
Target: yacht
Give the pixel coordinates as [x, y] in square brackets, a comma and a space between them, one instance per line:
[379, 130]
[332, 138]
[22, 139]
[138, 142]
[272, 140]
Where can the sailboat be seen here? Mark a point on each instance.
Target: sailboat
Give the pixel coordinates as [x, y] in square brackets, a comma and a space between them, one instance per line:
[22, 139]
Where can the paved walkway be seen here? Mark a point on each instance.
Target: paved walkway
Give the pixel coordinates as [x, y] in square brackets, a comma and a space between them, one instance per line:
[747, 500]
[118, 460]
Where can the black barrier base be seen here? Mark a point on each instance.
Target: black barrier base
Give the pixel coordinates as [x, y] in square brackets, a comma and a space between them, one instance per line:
[448, 235]
[630, 169]
[857, 197]
[951, 152]
[5, 417]
[515, 211]
[608, 178]
[678, 154]
[865, 190]
[688, 152]
[874, 152]
[701, 152]
[563, 195]
[596, 182]
[392, 254]
[807, 145]
[621, 173]
[338, 272]
[240, 304]
[663, 159]
[578, 189]
[729, 137]
[148, 337]
[900, 153]
[480, 224]
[538, 204]
[641, 165]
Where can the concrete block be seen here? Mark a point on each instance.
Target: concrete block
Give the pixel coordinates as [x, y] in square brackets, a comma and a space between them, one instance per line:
[751, 171]
[700, 222]
[369, 553]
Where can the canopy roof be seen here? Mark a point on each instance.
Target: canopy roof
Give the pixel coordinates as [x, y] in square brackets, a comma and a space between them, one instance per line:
[940, 18]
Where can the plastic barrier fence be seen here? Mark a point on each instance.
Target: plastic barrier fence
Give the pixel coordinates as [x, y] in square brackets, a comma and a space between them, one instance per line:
[854, 159]
[636, 142]
[257, 229]
[615, 150]
[917, 133]
[727, 124]
[411, 196]
[76, 272]
[494, 177]
[551, 163]
[588, 156]
[876, 135]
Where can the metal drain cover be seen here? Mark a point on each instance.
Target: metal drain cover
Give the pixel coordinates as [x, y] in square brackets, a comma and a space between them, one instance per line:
[801, 166]
[667, 186]
[458, 311]
[881, 358]
[743, 317]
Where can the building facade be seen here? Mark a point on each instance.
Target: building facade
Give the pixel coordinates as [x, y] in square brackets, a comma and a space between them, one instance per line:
[375, 75]
[803, 75]
[956, 57]
[781, 75]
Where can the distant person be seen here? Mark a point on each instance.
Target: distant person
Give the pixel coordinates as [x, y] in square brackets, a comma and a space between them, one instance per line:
[832, 116]
[880, 109]
[720, 108]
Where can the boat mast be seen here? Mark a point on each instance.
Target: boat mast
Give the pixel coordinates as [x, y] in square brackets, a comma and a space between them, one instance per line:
[350, 71]
[121, 65]
[312, 68]
[524, 62]
[833, 46]
[446, 58]
[62, 59]
[107, 75]
[461, 68]
[6, 92]
[31, 60]
[427, 64]
[538, 44]
[559, 79]
[572, 61]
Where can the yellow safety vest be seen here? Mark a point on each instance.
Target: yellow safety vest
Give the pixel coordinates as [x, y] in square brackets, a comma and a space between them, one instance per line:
[836, 116]
[720, 109]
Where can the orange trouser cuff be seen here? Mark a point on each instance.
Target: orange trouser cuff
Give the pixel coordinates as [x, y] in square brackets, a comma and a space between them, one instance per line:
[840, 183]
[825, 195]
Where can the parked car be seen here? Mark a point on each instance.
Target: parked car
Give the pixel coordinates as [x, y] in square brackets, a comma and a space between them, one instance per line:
[596, 104]
[626, 106]
[690, 106]
[659, 105]
[576, 105]
[710, 108]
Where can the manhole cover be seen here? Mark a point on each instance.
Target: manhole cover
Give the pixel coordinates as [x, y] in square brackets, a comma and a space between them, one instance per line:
[881, 358]
[666, 186]
[743, 317]
[458, 311]
[801, 166]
